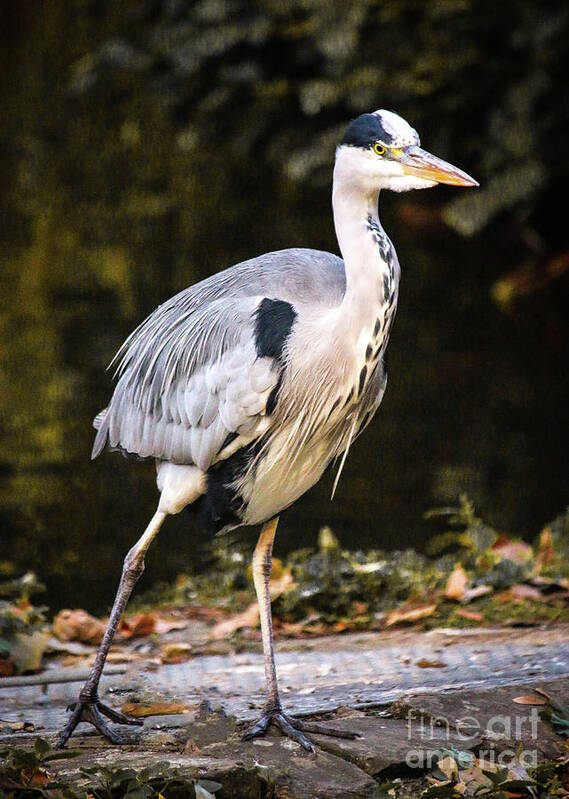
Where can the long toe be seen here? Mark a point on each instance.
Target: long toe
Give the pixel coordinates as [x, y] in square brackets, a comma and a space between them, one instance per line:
[258, 729]
[70, 726]
[289, 727]
[117, 716]
[286, 724]
[322, 729]
[92, 711]
[92, 715]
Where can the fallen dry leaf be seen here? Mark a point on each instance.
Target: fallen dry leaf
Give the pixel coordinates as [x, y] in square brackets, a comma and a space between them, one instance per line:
[470, 614]
[279, 585]
[305, 629]
[139, 711]
[162, 626]
[457, 583]
[530, 699]
[120, 655]
[340, 626]
[248, 618]
[35, 777]
[430, 664]
[78, 625]
[516, 551]
[402, 615]
[474, 593]
[520, 592]
[142, 624]
[176, 653]
[137, 626]
[18, 726]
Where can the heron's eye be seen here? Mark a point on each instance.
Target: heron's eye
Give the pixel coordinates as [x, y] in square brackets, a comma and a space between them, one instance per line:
[378, 148]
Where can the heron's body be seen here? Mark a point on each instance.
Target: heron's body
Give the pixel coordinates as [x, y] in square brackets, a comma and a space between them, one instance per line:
[246, 386]
[227, 402]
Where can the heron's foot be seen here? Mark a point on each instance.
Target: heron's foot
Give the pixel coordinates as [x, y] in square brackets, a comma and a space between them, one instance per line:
[294, 729]
[92, 711]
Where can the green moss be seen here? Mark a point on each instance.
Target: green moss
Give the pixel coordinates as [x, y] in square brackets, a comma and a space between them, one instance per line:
[333, 585]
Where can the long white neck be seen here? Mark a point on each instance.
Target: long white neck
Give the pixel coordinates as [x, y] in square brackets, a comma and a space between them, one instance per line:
[372, 270]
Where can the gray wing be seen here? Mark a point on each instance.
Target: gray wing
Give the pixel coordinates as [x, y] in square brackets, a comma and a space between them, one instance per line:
[192, 386]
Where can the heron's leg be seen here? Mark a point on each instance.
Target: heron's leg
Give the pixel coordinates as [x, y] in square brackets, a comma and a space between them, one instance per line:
[273, 713]
[88, 707]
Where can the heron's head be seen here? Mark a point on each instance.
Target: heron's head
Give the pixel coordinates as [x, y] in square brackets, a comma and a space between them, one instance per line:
[381, 151]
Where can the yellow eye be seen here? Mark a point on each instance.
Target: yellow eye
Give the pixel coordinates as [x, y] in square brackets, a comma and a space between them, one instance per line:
[378, 148]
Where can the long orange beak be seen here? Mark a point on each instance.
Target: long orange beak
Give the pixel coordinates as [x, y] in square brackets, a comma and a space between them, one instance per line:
[421, 164]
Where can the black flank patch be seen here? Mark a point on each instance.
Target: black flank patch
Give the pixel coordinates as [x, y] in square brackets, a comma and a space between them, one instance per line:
[377, 327]
[363, 375]
[349, 397]
[222, 506]
[369, 350]
[274, 395]
[229, 439]
[273, 323]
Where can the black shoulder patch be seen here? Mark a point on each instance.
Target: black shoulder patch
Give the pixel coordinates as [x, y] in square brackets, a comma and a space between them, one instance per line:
[273, 322]
[365, 131]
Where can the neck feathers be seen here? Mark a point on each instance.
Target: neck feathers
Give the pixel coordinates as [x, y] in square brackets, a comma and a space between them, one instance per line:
[372, 270]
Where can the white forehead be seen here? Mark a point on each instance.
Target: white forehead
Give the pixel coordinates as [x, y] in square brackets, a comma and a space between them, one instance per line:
[399, 133]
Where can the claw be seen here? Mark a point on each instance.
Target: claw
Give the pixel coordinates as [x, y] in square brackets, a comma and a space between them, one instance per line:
[92, 712]
[294, 729]
[286, 724]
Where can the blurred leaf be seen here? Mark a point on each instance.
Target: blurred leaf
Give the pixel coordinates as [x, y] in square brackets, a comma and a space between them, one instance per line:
[423, 663]
[530, 699]
[410, 615]
[137, 710]
[78, 625]
[457, 584]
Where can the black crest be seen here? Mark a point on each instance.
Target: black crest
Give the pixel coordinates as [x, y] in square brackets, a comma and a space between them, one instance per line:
[366, 130]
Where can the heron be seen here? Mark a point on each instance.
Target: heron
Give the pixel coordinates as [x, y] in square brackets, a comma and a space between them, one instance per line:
[246, 386]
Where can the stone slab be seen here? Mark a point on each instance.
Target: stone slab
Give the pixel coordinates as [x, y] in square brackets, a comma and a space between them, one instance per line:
[494, 718]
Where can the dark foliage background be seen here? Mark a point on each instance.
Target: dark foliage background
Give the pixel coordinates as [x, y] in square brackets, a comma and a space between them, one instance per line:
[146, 144]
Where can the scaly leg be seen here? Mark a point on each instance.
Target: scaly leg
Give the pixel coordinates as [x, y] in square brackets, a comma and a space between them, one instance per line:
[88, 707]
[273, 713]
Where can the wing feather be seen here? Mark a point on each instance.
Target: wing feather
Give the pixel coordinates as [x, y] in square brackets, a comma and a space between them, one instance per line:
[186, 418]
[190, 375]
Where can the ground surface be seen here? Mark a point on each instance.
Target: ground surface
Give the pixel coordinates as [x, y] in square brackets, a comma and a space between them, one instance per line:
[353, 681]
